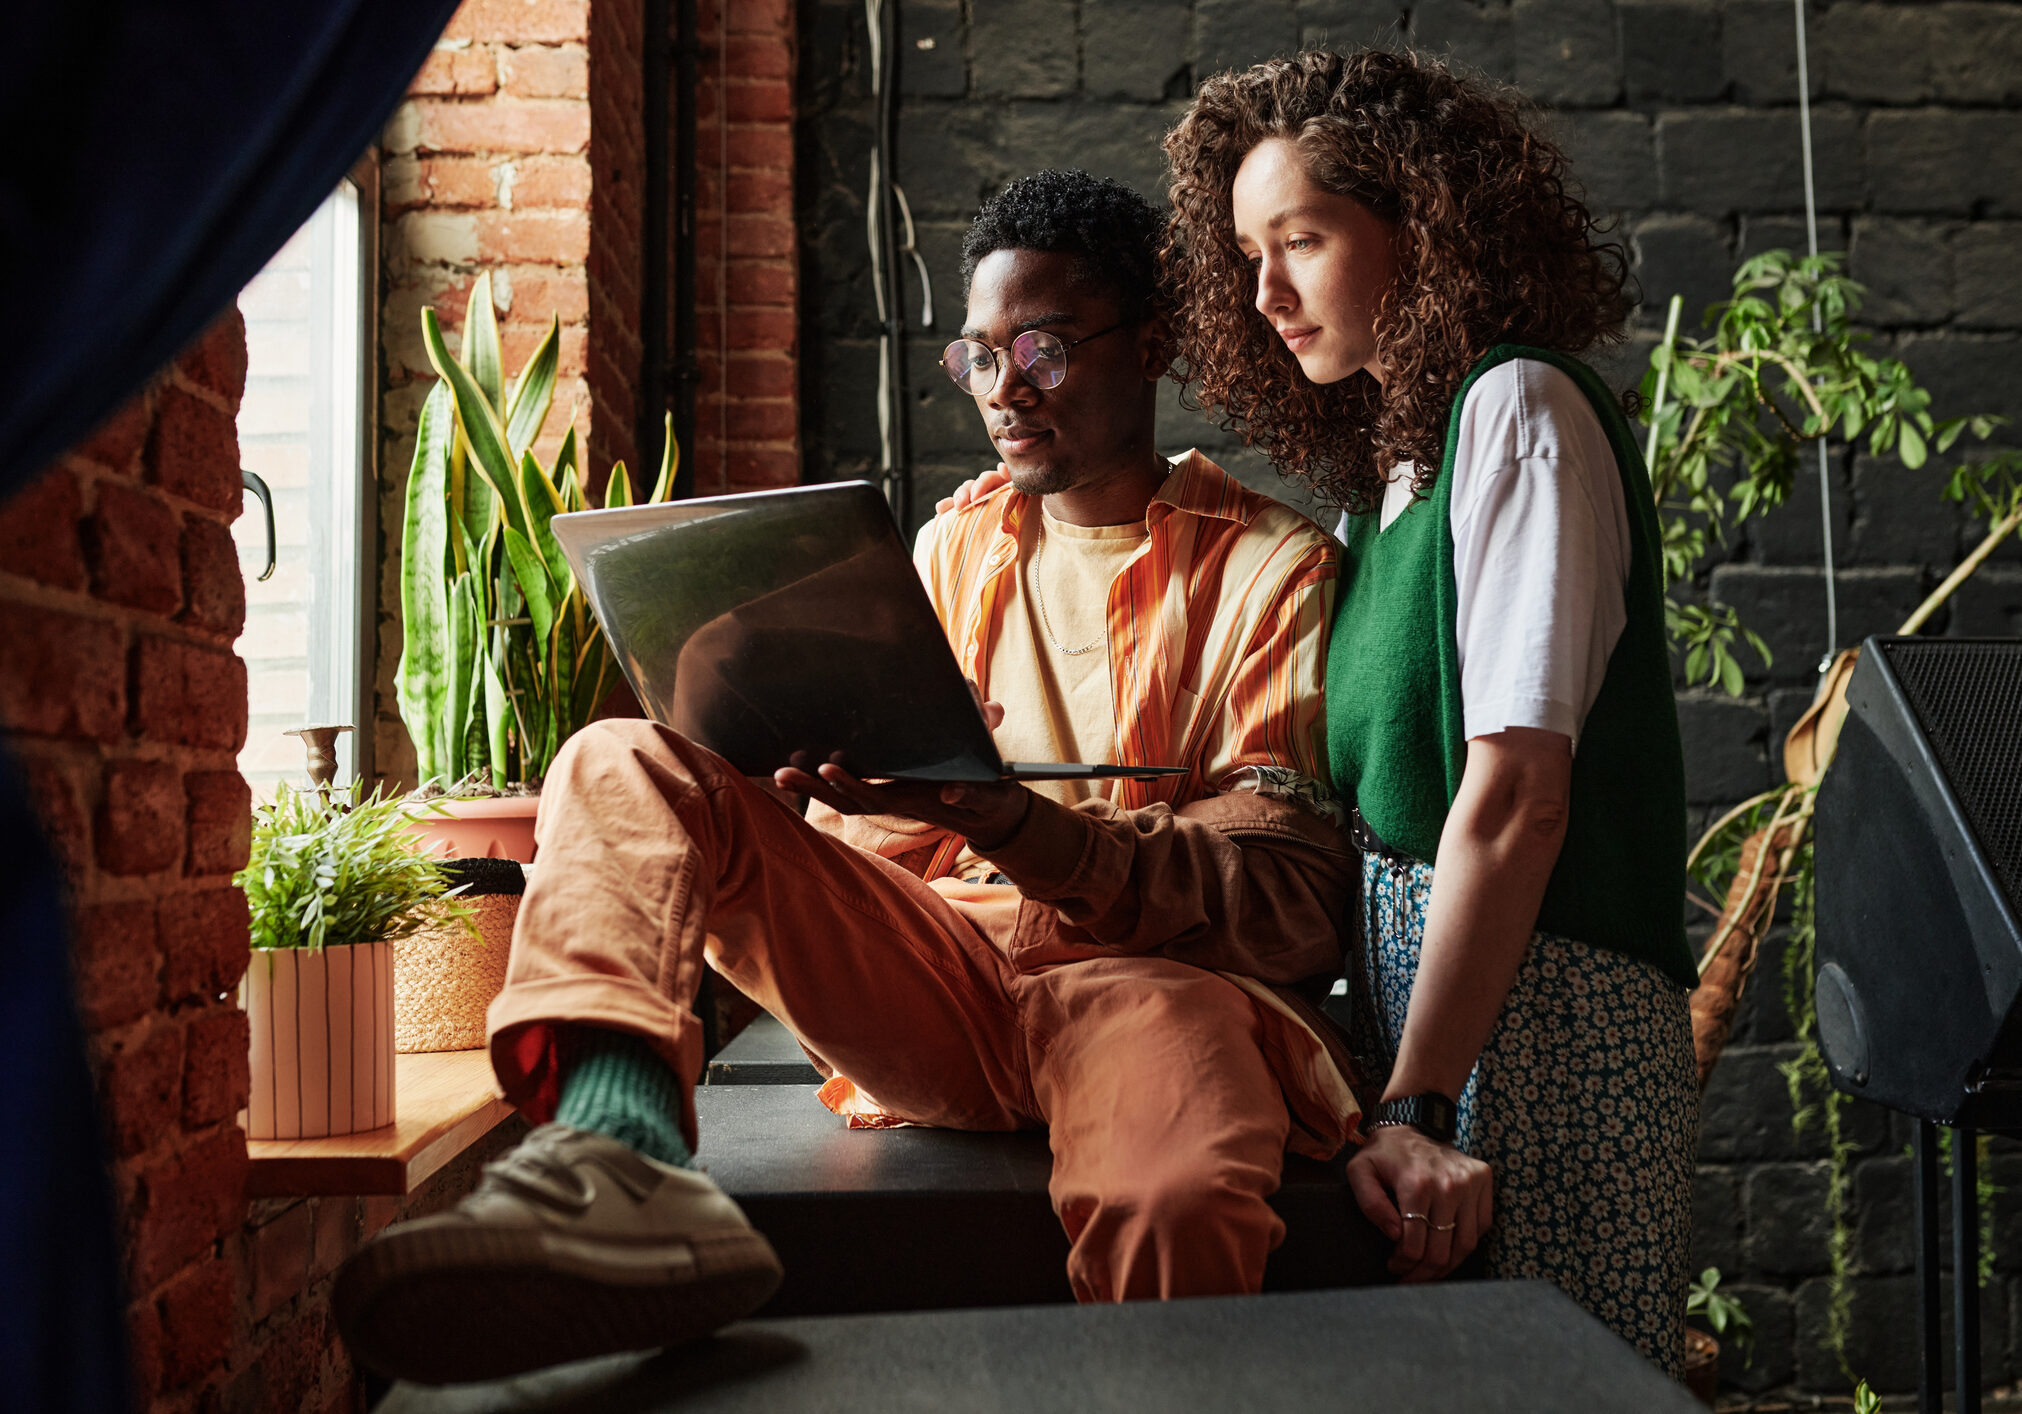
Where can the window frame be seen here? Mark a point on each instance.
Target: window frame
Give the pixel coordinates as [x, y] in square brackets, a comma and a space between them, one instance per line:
[365, 561]
[343, 511]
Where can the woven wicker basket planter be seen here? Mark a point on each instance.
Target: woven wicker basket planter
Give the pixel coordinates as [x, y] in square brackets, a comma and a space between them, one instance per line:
[444, 979]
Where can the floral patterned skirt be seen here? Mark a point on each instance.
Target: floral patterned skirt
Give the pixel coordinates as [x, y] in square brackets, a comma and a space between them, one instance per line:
[1585, 1101]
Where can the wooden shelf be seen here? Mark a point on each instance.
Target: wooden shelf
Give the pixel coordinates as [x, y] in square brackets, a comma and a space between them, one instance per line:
[443, 1103]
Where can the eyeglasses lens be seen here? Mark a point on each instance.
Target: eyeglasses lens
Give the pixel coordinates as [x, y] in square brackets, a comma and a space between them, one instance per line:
[973, 365]
[1042, 358]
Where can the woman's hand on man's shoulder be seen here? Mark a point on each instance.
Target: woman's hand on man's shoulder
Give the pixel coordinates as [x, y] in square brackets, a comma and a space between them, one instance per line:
[970, 492]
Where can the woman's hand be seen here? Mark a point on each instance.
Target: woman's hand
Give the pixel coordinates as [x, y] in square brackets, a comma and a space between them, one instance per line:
[970, 492]
[1411, 1187]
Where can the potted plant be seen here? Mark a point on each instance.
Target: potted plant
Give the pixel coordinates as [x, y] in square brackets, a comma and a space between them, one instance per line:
[502, 660]
[1705, 1300]
[446, 974]
[331, 882]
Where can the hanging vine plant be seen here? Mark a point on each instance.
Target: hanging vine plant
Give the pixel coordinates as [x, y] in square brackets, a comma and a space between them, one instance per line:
[1780, 368]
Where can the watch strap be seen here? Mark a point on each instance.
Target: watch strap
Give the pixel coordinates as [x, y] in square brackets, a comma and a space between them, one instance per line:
[1431, 1114]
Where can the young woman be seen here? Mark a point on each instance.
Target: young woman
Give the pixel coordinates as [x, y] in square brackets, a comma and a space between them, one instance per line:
[1383, 279]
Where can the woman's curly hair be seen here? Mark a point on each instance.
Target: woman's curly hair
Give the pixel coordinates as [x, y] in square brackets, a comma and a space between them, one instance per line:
[1491, 247]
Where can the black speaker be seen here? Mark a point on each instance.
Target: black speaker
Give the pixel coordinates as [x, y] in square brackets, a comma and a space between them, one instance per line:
[1918, 833]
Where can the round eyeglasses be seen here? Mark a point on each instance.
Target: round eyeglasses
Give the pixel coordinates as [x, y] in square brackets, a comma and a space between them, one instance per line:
[1039, 357]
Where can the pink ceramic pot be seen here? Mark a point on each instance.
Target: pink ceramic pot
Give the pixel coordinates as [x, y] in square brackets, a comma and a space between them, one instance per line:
[499, 828]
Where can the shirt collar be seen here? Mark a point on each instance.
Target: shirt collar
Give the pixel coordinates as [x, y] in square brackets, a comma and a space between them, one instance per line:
[1195, 486]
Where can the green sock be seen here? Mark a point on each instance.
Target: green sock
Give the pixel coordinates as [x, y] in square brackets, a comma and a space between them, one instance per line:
[616, 1084]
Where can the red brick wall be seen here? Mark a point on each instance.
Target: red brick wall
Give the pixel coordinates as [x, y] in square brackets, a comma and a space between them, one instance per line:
[487, 167]
[120, 692]
[521, 151]
[122, 697]
[747, 274]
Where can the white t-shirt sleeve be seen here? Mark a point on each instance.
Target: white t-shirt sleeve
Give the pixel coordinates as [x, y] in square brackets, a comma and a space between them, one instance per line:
[1540, 550]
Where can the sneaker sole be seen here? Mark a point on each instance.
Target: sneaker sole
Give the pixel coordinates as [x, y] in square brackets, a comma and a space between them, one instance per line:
[447, 1305]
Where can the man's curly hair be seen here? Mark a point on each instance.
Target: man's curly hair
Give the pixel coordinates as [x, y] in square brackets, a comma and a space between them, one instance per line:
[1491, 247]
[1114, 233]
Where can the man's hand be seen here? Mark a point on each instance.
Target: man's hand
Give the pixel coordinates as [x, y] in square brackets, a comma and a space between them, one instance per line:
[986, 813]
[970, 492]
[1401, 1171]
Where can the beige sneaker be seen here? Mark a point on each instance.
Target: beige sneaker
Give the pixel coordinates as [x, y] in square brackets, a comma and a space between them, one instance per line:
[573, 1245]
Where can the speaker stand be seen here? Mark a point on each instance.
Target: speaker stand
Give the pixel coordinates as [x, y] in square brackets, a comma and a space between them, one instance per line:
[1930, 1343]
[1966, 1269]
[1965, 1272]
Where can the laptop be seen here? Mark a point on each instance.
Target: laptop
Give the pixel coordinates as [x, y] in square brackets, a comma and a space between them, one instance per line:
[775, 623]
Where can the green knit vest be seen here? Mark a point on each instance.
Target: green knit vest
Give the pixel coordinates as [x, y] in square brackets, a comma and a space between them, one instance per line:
[1394, 725]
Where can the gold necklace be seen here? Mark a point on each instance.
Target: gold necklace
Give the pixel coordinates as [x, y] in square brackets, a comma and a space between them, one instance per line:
[1039, 597]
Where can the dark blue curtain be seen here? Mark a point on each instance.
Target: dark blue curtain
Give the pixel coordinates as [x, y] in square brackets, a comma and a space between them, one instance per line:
[158, 152]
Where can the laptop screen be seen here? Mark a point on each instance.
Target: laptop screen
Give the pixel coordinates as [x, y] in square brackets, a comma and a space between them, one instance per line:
[782, 622]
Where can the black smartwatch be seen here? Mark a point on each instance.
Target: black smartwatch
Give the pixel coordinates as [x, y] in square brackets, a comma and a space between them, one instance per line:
[1431, 1114]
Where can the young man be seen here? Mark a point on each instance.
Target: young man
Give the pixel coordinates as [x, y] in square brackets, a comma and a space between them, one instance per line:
[1116, 965]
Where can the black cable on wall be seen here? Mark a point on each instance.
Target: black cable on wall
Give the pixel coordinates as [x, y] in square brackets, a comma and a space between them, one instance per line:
[685, 372]
[883, 213]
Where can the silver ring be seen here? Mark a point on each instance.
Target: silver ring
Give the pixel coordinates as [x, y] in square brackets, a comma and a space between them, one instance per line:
[1429, 1223]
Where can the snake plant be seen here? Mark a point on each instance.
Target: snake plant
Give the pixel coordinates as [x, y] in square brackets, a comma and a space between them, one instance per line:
[503, 659]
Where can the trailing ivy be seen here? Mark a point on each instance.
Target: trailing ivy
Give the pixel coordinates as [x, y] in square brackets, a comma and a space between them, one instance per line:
[1814, 1100]
[1985, 1191]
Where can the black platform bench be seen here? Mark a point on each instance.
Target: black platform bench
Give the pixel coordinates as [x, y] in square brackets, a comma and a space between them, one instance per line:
[763, 1053]
[917, 1219]
[1479, 1347]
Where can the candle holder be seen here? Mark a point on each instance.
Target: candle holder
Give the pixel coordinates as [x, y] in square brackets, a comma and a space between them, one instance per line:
[320, 743]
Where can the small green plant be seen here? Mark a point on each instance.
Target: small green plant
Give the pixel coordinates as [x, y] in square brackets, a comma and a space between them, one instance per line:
[502, 660]
[328, 870]
[1866, 1401]
[1724, 1314]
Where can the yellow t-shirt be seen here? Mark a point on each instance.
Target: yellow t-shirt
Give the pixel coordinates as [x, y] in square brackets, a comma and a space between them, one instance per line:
[1058, 706]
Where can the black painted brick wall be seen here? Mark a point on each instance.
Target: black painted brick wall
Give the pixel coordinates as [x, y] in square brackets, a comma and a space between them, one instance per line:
[1682, 121]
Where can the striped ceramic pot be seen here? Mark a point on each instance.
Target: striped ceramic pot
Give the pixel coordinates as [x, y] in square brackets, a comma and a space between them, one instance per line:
[322, 1032]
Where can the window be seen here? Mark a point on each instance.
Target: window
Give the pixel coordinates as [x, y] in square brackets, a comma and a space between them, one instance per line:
[304, 430]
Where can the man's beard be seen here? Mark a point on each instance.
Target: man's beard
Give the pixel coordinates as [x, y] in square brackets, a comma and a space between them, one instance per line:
[1046, 479]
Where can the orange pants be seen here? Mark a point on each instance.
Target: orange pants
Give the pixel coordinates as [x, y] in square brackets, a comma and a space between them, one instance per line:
[1167, 1126]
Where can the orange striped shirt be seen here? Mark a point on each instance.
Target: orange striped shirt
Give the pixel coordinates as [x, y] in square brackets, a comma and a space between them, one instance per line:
[1217, 652]
[1223, 676]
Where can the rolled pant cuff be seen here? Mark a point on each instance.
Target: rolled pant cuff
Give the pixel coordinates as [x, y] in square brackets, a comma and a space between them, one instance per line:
[524, 1025]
